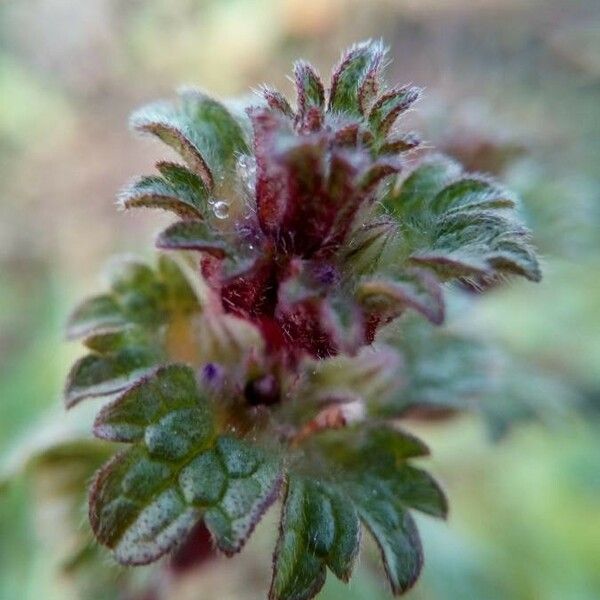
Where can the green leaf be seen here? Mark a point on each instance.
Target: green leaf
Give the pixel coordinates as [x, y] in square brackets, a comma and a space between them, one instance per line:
[471, 243]
[129, 319]
[510, 256]
[383, 487]
[396, 535]
[150, 297]
[442, 369]
[377, 444]
[350, 73]
[192, 235]
[97, 313]
[360, 472]
[101, 375]
[368, 246]
[174, 128]
[107, 340]
[156, 192]
[319, 529]
[179, 469]
[200, 129]
[471, 193]
[215, 128]
[459, 226]
[421, 186]
[183, 179]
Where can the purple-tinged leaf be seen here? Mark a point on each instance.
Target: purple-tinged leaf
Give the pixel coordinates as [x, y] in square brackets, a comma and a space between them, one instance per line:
[276, 101]
[270, 182]
[345, 199]
[371, 82]
[310, 326]
[192, 235]
[309, 87]
[347, 135]
[348, 75]
[308, 215]
[252, 291]
[400, 143]
[390, 106]
[416, 289]
[163, 121]
[377, 172]
[155, 192]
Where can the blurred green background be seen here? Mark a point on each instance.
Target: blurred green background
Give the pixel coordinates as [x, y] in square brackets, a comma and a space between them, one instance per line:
[512, 87]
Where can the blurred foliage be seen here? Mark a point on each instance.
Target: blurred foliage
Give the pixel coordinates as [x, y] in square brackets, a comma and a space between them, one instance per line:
[521, 76]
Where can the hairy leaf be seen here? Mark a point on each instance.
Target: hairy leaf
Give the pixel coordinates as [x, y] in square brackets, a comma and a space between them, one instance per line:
[276, 100]
[104, 374]
[199, 128]
[414, 289]
[460, 226]
[97, 313]
[192, 235]
[309, 87]
[350, 74]
[362, 473]
[178, 470]
[390, 106]
[443, 369]
[156, 192]
[319, 529]
[140, 299]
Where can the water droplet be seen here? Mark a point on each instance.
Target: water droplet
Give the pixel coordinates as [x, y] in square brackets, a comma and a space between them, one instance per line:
[221, 209]
[211, 200]
[246, 168]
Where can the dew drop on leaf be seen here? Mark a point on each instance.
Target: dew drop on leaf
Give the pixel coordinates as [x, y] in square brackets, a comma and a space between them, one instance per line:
[221, 209]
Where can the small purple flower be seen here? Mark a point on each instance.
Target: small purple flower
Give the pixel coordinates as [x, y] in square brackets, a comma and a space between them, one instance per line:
[212, 374]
